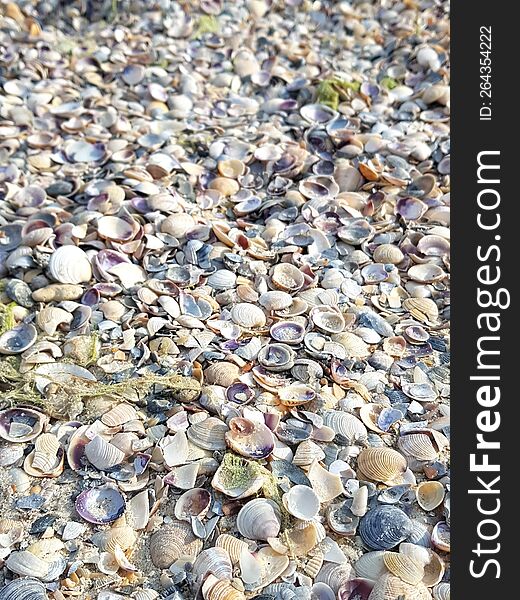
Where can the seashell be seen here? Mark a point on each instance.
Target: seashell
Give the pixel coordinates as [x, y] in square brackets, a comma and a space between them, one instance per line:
[23, 589]
[249, 439]
[102, 454]
[19, 480]
[250, 568]
[21, 424]
[296, 394]
[382, 464]
[119, 415]
[213, 589]
[312, 567]
[306, 453]
[360, 501]
[183, 477]
[441, 536]
[72, 530]
[418, 445]
[426, 273]
[276, 357]
[171, 542]
[326, 485]
[50, 318]
[300, 540]
[318, 113]
[440, 592]
[11, 532]
[422, 309]
[248, 315]
[353, 344]
[287, 277]
[301, 502]
[18, 339]
[237, 477]
[214, 561]
[100, 505]
[221, 373]
[178, 225]
[384, 527]
[208, 434]
[328, 319]
[371, 565]
[107, 541]
[358, 588]
[222, 280]
[275, 300]
[273, 565]
[346, 425]
[259, 519]
[193, 503]
[405, 567]
[390, 587]
[26, 564]
[388, 254]
[45, 451]
[69, 264]
[232, 545]
[334, 575]
[288, 332]
[430, 495]
[18, 291]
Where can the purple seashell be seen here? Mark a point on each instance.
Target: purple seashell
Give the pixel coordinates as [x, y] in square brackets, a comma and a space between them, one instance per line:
[239, 393]
[108, 289]
[229, 345]
[387, 417]
[141, 461]
[140, 204]
[356, 589]
[91, 297]
[410, 209]
[100, 505]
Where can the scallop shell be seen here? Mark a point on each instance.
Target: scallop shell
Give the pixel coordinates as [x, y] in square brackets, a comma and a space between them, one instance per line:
[102, 454]
[334, 575]
[214, 561]
[345, 424]
[382, 464]
[119, 415]
[27, 564]
[384, 527]
[405, 567]
[388, 254]
[301, 502]
[259, 519]
[287, 277]
[69, 264]
[430, 494]
[248, 315]
[232, 545]
[249, 439]
[208, 434]
[171, 542]
[221, 373]
[23, 589]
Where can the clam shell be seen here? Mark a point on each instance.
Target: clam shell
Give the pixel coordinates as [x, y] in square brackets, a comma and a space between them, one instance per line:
[214, 561]
[45, 451]
[371, 565]
[237, 481]
[418, 445]
[21, 424]
[382, 464]
[102, 454]
[306, 453]
[301, 502]
[106, 541]
[208, 434]
[259, 519]
[248, 315]
[69, 264]
[276, 357]
[328, 319]
[288, 332]
[232, 545]
[405, 567]
[213, 589]
[275, 300]
[334, 575]
[18, 339]
[388, 254]
[441, 536]
[440, 592]
[221, 373]
[422, 309]
[26, 564]
[287, 277]
[384, 527]
[345, 424]
[193, 503]
[249, 439]
[171, 542]
[119, 415]
[296, 394]
[23, 589]
[430, 495]
[100, 505]
[273, 565]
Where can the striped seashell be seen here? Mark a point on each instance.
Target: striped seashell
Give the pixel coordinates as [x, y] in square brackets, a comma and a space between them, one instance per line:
[50, 318]
[422, 309]
[221, 373]
[220, 590]
[232, 545]
[418, 446]
[313, 565]
[388, 254]
[106, 541]
[259, 519]
[23, 589]
[248, 315]
[119, 415]
[382, 464]
[384, 527]
[27, 564]
[214, 561]
[45, 450]
[306, 453]
[371, 565]
[103, 455]
[334, 575]
[390, 587]
[208, 434]
[405, 567]
[69, 264]
[345, 424]
[11, 532]
[442, 591]
[171, 542]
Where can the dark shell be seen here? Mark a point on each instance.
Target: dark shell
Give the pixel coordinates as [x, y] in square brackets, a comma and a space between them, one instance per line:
[100, 505]
[384, 527]
[23, 589]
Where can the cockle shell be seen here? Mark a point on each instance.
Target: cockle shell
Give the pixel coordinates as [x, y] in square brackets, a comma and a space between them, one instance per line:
[215, 589]
[249, 439]
[193, 503]
[405, 567]
[430, 494]
[232, 545]
[69, 264]
[328, 319]
[106, 541]
[171, 542]
[259, 519]
[371, 565]
[306, 453]
[382, 464]
[388, 254]
[422, 309]
[418, 445]
[23, 589]
[384, 527]
[102, 454]
[45, 450]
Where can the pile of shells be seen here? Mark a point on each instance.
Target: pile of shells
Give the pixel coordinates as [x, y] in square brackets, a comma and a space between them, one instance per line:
[224, 300]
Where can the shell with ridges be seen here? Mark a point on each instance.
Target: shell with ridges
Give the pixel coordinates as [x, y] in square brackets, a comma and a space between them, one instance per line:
[405, 567]
[69, 264]
[119, 415]
[382, 464]
[23, 589]
[232, 545]
[259, 519]
[215, 561]
[248, 315]
[171, 542]
[102, 454]
[208, 434]
[384, 527]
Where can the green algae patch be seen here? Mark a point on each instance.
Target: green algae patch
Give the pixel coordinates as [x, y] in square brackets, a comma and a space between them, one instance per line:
[331, 91]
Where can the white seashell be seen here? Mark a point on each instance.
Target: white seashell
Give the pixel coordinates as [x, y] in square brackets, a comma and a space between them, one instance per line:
[25, 563]
[69, 264]
[259, 519]
[248, 315]
[326, 485]
[250, 567]
[73, 530]
[119, 415]
[360, 501]
[138, 510]
[175, 449]
[102, 454]
[302, 502]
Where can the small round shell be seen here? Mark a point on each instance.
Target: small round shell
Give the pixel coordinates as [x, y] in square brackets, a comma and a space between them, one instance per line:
[259, 519]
